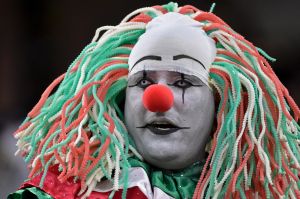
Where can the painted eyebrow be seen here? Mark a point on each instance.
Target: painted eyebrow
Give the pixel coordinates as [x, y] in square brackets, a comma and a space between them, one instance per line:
[176, 57]
[151, 57]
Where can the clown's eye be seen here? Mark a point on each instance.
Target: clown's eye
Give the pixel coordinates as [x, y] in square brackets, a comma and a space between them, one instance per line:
[183, 84]
[143, 83]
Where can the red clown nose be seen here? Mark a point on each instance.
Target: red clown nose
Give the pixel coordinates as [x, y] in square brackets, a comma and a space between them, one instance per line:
[158, 98]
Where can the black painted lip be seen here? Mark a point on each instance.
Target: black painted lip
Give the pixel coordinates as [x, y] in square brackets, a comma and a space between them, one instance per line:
[156, 130]
[162, 132]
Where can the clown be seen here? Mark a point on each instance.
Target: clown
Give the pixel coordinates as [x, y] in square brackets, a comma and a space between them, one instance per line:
[170, 103]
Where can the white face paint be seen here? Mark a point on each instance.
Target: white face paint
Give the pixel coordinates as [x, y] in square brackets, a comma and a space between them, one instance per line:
[174, 139]
[176, 52]
[179, 42]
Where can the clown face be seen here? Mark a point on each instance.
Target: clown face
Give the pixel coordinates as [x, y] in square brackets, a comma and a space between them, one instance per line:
[174, 52]
[176, 138]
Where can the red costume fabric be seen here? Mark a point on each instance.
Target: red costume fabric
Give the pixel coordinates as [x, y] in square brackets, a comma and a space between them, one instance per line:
[69, 189]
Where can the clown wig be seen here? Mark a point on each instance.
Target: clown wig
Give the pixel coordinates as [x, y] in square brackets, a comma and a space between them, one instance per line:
[78, 122]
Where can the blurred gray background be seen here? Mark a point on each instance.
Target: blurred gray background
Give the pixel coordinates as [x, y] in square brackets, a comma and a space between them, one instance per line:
[39, 39]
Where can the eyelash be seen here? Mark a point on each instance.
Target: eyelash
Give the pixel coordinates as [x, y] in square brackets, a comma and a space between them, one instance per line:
[139, 83]
[149, 82]
[177, 84]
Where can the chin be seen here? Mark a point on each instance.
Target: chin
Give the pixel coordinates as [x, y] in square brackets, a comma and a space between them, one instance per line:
[170, 165]
[166, 161]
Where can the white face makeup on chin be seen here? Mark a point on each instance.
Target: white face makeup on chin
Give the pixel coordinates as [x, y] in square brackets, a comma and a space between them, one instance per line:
[176, 138]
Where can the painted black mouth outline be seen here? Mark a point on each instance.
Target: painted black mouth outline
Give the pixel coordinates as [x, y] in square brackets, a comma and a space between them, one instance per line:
[159, 128]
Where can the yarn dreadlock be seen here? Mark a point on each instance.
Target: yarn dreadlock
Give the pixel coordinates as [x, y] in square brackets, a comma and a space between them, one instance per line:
[78, 123]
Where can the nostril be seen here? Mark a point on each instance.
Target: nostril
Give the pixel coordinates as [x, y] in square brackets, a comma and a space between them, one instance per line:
[158, 98]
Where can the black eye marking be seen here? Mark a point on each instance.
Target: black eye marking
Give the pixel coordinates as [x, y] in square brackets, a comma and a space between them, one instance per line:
[143, 82]
[184, 84]
[183, 89]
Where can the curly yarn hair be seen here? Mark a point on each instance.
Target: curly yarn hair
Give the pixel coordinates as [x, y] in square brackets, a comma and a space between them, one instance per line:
[78, 122]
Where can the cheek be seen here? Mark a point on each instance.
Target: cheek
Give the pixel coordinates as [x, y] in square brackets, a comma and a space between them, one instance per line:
[198, 104]
[133, 98]
[134, 109]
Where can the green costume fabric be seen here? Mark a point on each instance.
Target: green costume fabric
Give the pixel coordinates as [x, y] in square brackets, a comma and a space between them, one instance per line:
[29, 193]
[179, 184]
